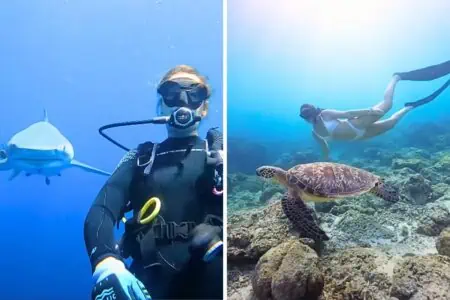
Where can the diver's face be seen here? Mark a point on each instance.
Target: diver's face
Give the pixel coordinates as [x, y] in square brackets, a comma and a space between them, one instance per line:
[308, 114]
[308, 118]
[192, 100]
[173, 99]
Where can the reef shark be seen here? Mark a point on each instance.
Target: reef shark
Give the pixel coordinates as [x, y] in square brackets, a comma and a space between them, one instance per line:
[40, 149]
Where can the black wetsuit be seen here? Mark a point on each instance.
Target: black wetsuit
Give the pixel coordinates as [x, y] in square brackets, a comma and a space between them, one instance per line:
[182, 179]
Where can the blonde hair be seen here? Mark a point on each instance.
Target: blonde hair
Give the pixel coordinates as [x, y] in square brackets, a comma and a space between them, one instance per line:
[185, 69]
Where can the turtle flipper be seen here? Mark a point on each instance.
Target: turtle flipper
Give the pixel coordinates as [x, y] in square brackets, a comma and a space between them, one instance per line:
[302, 217]
[386, 192]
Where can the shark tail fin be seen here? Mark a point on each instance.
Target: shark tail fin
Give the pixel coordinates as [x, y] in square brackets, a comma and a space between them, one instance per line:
[45, 115]
[88, 168]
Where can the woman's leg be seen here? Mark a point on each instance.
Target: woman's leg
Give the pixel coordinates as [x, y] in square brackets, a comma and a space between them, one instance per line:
[388, 100]
[425, 74]
[385, 106]
[383, 126]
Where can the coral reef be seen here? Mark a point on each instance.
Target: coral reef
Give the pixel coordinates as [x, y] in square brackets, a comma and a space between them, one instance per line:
[357, 273]
[443, 242]
[422, 277]
[377, 249]
[276, 278]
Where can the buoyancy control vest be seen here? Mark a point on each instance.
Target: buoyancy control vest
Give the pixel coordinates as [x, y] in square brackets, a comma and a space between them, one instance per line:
[178, 172]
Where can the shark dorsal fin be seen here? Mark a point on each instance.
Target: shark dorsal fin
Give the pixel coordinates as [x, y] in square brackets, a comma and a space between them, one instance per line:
[45, 115]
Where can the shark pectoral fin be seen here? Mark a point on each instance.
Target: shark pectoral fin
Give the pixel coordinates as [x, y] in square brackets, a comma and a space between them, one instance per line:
[14, 174]
[88, 168]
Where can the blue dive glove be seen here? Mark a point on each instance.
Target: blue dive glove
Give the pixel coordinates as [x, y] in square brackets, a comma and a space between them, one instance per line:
[113, 281]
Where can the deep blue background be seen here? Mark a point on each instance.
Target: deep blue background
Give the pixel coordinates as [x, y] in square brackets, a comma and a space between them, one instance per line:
[88, 63]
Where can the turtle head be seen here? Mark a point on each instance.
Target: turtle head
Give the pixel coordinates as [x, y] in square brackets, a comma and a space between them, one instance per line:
[269, 172]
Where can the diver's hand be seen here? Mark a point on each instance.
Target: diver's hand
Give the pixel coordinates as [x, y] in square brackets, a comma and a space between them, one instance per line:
[113, 281]
[205, 241]
[218, 156]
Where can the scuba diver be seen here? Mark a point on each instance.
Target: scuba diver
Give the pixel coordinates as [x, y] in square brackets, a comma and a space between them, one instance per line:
[174, 189]
[360, 124]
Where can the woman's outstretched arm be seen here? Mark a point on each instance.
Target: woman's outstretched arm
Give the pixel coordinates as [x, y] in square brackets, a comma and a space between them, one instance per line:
[322, 143]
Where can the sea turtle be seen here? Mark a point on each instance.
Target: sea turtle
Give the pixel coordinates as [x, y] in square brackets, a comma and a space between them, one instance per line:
[322, 182]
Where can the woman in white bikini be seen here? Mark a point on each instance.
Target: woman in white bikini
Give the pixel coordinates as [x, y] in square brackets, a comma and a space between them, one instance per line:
[330, 124]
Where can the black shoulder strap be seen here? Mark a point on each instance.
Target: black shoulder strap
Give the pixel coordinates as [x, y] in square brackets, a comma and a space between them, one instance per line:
[144, 153]
[144, 159]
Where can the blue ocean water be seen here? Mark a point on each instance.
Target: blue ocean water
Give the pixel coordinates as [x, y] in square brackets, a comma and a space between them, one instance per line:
[88, 63]
[333, 54]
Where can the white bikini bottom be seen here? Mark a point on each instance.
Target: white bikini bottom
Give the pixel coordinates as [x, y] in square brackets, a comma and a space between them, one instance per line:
[359, 132]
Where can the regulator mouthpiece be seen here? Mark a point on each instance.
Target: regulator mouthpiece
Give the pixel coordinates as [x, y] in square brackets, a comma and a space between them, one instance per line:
[183, 117]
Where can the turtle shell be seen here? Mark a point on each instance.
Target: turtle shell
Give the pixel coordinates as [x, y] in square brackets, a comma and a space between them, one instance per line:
[330, 180]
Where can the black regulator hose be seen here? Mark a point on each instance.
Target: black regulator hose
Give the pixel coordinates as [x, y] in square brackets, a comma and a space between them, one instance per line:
[157, 120]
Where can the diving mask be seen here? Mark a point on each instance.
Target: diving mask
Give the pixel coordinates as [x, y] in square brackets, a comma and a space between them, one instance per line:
[309, 112]
[183, 92]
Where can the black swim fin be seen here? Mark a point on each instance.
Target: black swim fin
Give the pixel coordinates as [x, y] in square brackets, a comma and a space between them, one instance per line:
[430, 97]
[427, 73]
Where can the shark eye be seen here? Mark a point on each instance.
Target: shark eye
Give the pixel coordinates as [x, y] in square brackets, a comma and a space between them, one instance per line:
[3, 155]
